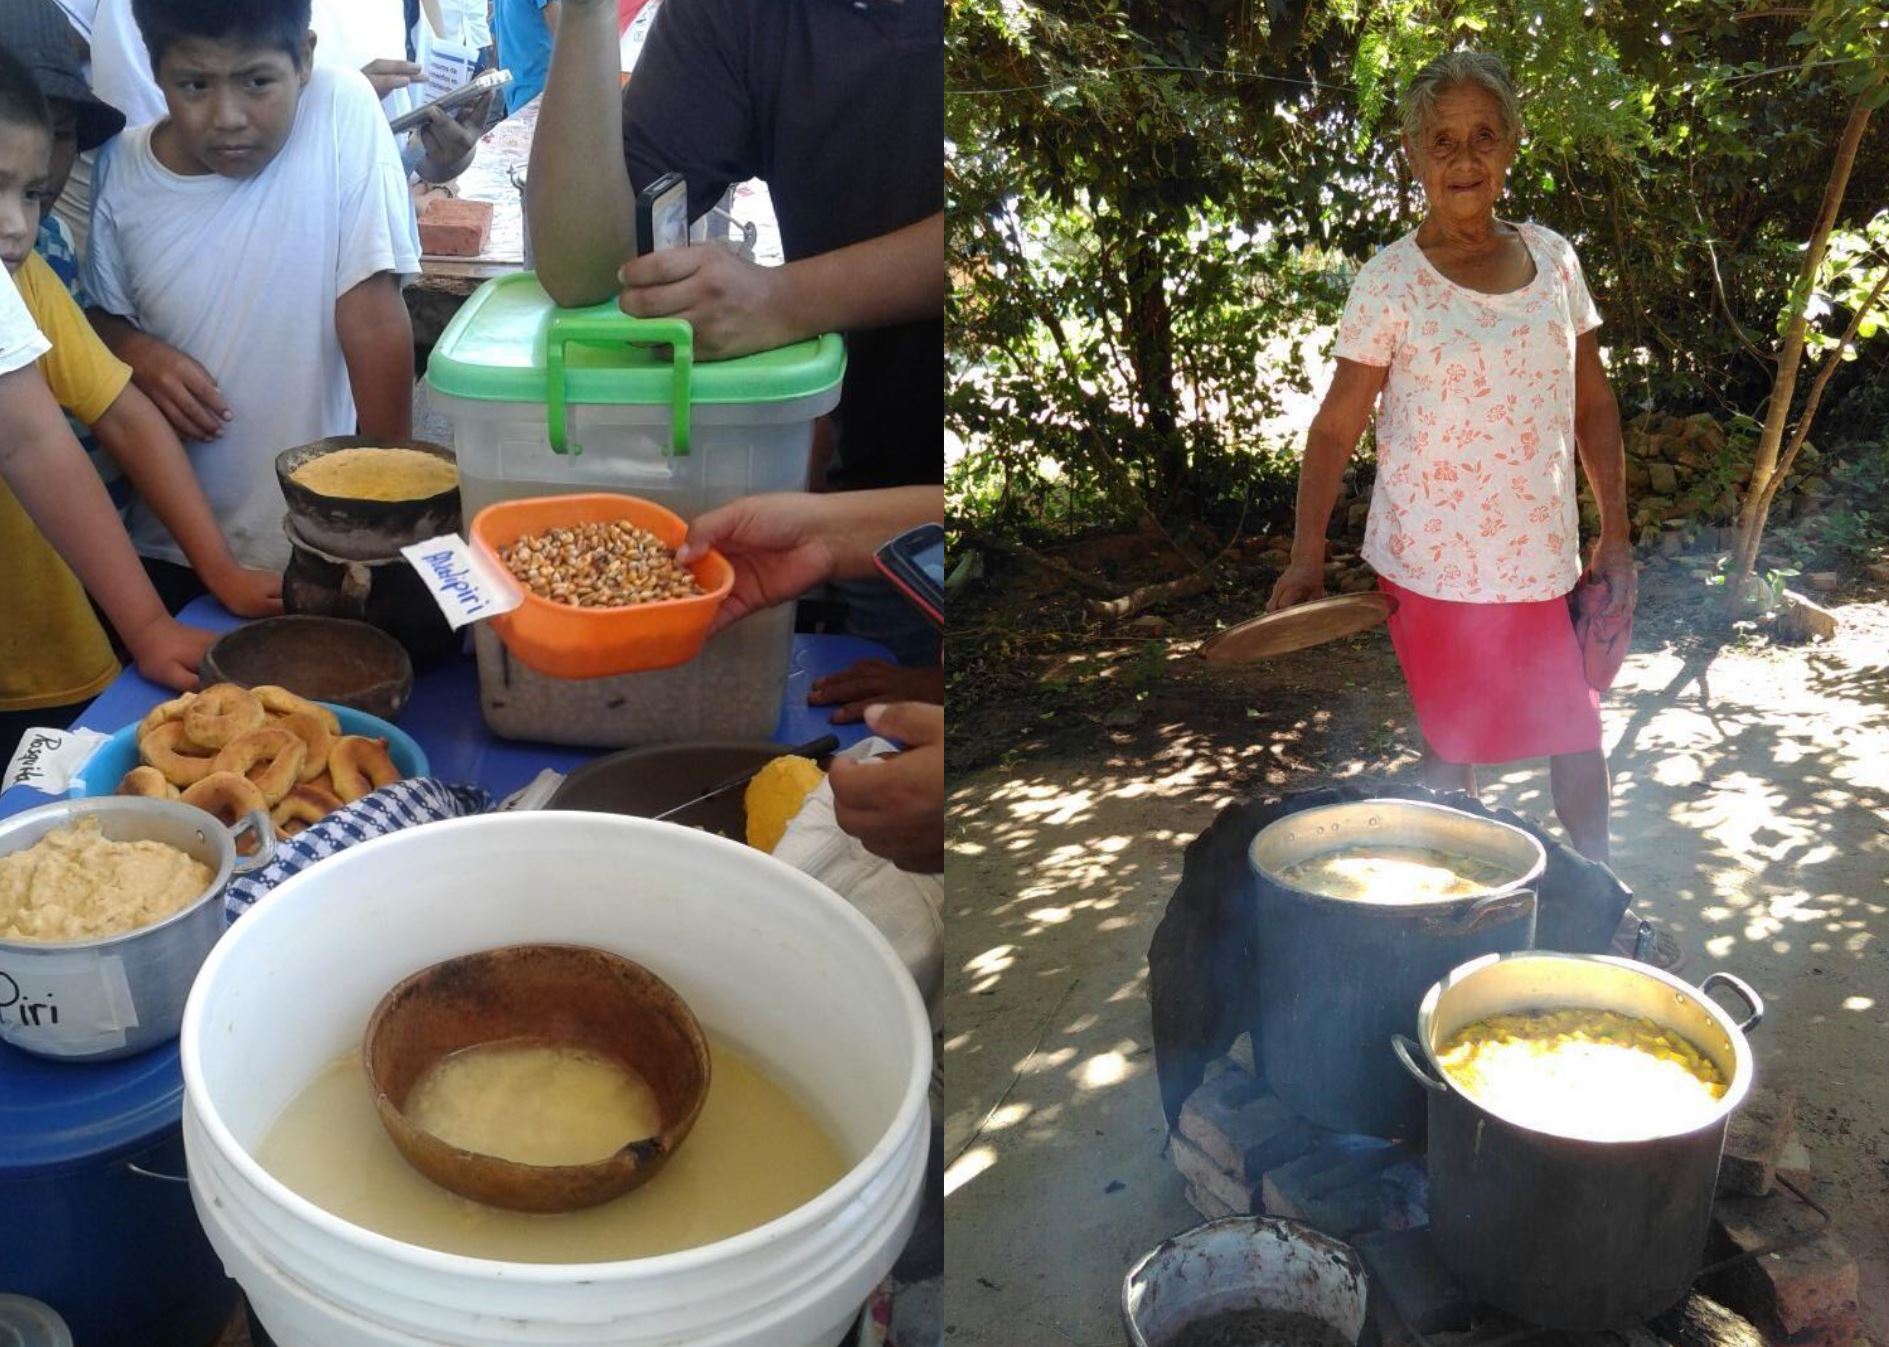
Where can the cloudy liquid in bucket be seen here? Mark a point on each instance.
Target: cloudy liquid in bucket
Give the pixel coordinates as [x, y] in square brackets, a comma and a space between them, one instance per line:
[755, 1153]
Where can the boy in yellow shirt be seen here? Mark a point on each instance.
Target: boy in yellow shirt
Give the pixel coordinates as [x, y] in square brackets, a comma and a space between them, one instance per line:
[54, 655]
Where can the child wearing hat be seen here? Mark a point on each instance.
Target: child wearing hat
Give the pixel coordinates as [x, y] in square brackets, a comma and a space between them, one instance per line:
[54, 655]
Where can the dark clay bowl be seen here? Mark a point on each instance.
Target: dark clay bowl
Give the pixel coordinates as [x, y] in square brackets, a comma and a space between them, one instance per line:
[364, 530]
[567, 995]
[643, 782]
[325, 659]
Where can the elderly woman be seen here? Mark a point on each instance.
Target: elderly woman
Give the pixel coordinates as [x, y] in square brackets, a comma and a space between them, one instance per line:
[1473, 339]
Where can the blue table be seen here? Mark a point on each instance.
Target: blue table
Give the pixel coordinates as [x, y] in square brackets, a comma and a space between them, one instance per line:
[444, 715]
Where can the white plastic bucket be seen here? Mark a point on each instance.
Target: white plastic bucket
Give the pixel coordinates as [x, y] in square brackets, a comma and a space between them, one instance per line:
[766, 957]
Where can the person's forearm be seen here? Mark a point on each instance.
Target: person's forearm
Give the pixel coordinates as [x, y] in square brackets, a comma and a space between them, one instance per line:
[135, 435]
[577, 192]
[377, 342]
[1321, 475]
[64, 497]
[863, 521]
[895, 278]
[1604, 456]
[118, 333]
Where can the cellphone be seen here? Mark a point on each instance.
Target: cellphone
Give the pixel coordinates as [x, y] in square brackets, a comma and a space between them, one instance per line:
[915, 563]
[457, 98]
[662, 215]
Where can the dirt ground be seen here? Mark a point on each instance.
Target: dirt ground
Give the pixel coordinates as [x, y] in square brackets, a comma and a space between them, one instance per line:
[1751, 815]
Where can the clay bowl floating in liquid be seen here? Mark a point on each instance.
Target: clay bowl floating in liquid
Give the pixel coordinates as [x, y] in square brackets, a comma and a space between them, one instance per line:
[364, 530]
[325, 659]
[563, 995]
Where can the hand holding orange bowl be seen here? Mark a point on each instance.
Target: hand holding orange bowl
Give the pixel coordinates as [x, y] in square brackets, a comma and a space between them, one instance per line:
[563, 640]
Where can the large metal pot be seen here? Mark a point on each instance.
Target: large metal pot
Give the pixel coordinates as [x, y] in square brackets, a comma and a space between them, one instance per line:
[99, 999]
[1339, 976]
[1568, 1233]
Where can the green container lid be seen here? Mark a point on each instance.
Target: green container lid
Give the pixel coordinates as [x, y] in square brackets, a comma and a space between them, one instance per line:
[510, 343]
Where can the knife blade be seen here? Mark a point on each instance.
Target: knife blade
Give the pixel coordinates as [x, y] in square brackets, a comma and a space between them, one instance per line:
[813, 748]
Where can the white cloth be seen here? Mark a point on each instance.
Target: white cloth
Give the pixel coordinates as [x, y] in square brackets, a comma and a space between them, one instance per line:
[121, 66]
[351, 33]
[242, 275]
[1475, 494]
[908, 909]
[80, 13]
[21, 341]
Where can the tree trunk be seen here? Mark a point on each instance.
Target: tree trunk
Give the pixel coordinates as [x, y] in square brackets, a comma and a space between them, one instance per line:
[1765, 469]
[1151, 350]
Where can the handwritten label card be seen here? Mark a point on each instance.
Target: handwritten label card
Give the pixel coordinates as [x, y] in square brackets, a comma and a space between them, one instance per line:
[51, 760]
[66, 1004]
[465, 586]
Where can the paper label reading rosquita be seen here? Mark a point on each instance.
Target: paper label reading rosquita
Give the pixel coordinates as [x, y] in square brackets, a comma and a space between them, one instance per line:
[466, 588]
[66, 1004]
[51, 760]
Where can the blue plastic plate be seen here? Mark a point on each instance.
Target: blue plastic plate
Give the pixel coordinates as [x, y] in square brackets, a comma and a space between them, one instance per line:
[119, 754]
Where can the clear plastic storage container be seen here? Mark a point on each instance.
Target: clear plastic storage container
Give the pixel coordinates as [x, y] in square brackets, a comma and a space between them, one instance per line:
[545, 401]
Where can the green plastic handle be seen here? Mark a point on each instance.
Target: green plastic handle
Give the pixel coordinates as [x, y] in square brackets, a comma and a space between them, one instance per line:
[611, 330]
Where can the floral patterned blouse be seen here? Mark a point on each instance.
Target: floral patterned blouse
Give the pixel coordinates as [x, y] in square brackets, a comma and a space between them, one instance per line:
[1475, 495]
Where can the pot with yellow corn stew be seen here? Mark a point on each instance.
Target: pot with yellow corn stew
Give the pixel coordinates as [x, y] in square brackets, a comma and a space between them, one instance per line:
[1577, 1107]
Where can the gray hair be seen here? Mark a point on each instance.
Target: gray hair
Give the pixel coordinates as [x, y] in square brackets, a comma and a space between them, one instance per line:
[1479, 69]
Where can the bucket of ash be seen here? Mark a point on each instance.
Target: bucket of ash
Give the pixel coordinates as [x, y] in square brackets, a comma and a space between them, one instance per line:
[1246, 1281]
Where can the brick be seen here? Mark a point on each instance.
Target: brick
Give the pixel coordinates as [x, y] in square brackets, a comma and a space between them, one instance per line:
[1243, 1128]
[450, 227]
[1758, 1132]
[1208, 1207]
[1424, 1293]
[1213, 1182]
[1241, 1055]
[1333, 1188]
[1793, 1163]
[1703, 1322]
[1802, 1296]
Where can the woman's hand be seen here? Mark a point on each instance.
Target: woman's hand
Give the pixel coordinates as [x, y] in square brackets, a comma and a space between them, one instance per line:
[779, 545]
[1614, 566]
[895, 805]
[1301, 582]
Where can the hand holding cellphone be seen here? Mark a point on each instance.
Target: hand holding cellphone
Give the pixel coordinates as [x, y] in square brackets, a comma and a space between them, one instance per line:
[468, 92]
[662, 215]
[914, 562]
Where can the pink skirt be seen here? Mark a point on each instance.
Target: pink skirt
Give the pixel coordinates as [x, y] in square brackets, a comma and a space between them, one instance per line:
[1494, 682]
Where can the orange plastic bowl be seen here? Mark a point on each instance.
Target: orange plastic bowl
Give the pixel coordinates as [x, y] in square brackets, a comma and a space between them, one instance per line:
[565, 641]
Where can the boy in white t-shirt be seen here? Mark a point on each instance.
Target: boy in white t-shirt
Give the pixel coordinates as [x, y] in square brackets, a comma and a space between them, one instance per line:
[261, 232]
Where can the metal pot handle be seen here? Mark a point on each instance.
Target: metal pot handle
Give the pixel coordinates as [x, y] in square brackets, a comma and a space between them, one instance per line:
[1407, 1054]
[1491, 911]
[1752, 1000]
[258, 822]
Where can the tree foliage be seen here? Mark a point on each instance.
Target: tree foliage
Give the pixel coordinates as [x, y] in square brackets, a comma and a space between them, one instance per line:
[1148, 201]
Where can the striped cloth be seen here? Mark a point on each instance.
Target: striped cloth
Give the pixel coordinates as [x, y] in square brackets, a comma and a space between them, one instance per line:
[404, 804]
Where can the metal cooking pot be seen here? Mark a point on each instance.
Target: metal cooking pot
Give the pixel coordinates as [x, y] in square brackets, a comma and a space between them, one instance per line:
[1568, 1233]
[96, 1000]
[1338, 976]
